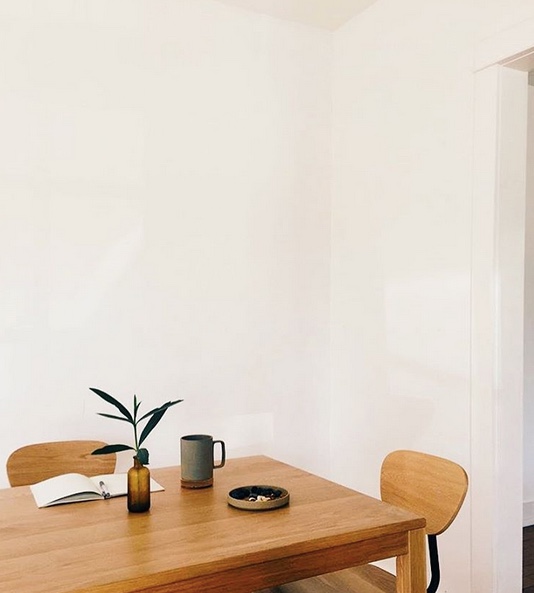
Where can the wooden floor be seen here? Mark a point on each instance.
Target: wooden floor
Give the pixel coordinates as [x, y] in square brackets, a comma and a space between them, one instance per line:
[528, 559]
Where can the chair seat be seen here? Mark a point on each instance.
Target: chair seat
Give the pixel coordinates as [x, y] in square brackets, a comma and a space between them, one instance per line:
[360, 579]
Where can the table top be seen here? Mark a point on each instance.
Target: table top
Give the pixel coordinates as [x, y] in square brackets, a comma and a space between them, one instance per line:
[192, 540]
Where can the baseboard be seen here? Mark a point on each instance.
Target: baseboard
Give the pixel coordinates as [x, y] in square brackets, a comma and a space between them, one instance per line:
[528, 513]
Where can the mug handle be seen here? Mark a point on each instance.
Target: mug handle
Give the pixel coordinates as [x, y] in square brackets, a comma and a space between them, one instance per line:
[223, 454]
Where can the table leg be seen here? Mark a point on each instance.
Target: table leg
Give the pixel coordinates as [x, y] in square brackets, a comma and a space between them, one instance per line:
[411, 567]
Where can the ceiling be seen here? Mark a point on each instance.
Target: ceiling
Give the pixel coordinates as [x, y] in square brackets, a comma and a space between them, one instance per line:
[327, 14]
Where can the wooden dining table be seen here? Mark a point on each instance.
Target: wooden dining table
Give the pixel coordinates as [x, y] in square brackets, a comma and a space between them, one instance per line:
[193, 541]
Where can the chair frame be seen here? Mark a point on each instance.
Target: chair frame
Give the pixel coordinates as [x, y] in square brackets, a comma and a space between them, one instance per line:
[435, 574]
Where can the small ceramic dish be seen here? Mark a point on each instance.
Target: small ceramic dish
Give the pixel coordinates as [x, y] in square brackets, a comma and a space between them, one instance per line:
[258, 497]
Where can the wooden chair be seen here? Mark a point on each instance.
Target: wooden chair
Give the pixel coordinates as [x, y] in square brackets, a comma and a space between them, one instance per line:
[427, 485]
[33, 463]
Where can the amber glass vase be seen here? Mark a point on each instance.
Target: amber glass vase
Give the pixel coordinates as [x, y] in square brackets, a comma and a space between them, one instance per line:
[138, 487]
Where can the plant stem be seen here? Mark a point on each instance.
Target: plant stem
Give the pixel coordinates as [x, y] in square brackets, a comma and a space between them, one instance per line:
[135, 438]
[135, 425]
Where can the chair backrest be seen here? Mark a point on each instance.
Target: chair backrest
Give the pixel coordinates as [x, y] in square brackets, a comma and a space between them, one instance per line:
[425, 484]
[33, 463]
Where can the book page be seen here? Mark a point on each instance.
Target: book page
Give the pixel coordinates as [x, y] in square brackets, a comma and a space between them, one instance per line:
[117, 484]
[78, 488]
[58, 487]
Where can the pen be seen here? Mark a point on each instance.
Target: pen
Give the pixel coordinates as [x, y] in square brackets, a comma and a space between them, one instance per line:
[105, 491]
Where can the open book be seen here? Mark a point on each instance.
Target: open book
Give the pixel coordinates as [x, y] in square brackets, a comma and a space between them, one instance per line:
[79, 488]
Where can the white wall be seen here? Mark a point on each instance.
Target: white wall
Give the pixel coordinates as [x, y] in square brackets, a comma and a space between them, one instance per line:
[401, 241]
[164, 224]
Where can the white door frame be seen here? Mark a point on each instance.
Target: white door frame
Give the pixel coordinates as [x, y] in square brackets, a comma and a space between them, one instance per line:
[499, 184]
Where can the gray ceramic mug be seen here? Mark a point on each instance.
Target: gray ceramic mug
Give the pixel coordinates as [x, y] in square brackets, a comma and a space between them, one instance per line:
[197, 453]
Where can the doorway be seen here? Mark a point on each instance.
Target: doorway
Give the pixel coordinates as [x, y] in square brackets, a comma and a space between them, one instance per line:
[498, 254]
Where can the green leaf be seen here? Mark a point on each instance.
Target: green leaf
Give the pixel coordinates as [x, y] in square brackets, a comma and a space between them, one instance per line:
[151, 424]
[156, 415]
[111, 400]
[114, 417]
[159, 408]
[111, 449]
[136, 406]
[142, 455]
